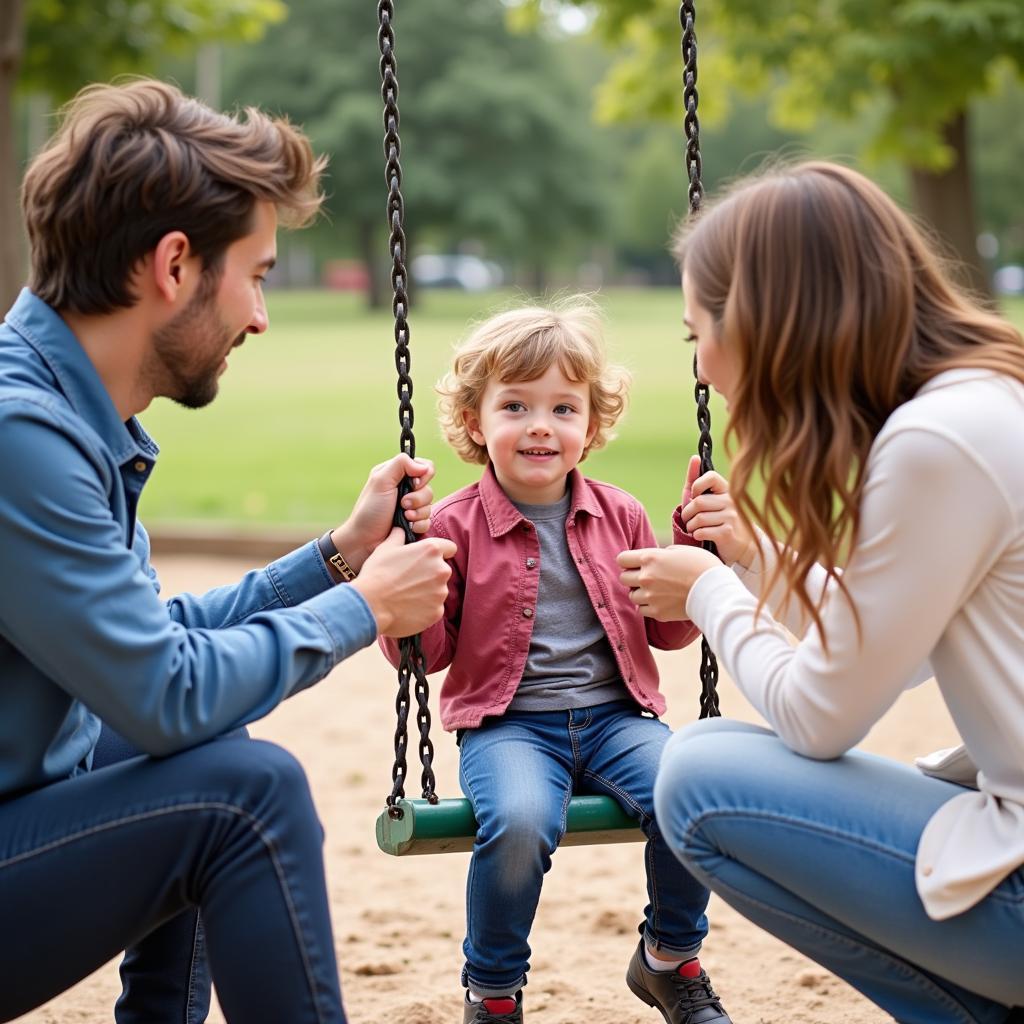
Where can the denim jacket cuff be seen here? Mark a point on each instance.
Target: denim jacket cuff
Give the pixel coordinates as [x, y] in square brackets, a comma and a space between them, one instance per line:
[300, 575]
[346, 617]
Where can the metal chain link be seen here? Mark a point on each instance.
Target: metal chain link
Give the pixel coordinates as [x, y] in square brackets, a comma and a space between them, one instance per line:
[411, 663]
[691, 128]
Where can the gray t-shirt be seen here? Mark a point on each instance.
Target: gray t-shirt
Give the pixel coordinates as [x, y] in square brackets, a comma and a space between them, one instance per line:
[570, 663]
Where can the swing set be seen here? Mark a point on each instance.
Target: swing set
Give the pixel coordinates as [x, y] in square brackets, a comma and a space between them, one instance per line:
[430, 824]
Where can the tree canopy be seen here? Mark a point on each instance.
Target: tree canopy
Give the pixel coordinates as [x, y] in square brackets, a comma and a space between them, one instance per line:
[71, 42]
[908, 69]
[496, 141]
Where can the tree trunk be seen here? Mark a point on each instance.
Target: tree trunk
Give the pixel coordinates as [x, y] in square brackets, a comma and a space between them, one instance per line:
[946, 200]
[538, 277]
[367, 237]
[12, 260]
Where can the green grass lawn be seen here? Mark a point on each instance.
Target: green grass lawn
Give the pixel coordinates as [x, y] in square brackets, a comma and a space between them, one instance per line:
[307, 408]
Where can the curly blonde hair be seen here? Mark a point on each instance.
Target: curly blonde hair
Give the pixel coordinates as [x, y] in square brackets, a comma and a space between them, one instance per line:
[522, 344]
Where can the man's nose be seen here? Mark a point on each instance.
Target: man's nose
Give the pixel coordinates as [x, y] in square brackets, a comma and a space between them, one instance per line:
[260, 320]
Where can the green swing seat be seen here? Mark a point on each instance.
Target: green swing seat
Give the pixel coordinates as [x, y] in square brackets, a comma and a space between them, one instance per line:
[449, 826]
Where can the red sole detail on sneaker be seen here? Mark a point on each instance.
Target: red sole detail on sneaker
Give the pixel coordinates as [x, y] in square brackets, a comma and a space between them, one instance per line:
[499, 1006]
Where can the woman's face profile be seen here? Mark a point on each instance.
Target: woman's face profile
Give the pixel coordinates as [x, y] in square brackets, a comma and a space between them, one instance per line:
[716, 365]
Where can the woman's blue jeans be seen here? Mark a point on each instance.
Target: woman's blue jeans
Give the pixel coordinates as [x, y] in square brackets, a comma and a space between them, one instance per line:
[519, 772]
[821, 854]
[126, 855]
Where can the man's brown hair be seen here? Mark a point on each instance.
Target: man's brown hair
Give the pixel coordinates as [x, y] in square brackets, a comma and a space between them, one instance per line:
[134, 161]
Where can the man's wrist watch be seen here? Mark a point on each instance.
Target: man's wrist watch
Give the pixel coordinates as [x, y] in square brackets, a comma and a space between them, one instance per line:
[340, 571]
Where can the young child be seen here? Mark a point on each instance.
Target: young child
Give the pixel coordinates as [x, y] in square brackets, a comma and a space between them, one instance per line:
[552, 687]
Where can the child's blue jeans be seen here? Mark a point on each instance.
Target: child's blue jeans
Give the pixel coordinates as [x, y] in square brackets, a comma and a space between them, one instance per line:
[821, 854]
[519, 772]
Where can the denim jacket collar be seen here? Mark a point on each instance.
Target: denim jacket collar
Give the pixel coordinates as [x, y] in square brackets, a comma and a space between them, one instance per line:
[45, 331]
[503, 516]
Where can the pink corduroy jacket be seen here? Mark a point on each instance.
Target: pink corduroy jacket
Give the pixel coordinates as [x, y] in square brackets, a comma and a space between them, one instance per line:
[485, 632]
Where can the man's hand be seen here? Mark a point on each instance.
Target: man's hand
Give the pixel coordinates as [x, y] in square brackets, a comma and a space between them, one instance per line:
[373, 515]
[405, 585]
[660, 579]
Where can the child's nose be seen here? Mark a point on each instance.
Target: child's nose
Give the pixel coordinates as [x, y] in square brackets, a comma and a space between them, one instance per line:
[540, 426]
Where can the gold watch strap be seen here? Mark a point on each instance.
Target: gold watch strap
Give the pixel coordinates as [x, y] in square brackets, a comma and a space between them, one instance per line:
[340, 570]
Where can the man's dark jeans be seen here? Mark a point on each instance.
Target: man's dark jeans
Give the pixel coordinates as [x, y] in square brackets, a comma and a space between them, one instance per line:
[129, 855]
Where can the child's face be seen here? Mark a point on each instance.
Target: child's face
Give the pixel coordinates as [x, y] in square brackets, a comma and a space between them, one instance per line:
[535, 433]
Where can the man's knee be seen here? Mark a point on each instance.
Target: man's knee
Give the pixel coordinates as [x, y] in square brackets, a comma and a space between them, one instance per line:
[261, 775]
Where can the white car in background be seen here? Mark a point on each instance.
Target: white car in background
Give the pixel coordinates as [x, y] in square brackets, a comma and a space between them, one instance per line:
[466, 273]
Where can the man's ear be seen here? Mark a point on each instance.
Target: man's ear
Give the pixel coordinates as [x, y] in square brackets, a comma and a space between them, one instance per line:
[173, 266]
[471, 421]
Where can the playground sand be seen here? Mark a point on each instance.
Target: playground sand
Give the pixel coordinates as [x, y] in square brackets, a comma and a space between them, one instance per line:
[398, 922]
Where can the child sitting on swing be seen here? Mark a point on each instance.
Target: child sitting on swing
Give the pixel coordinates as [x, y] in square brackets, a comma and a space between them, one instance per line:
[552, 687]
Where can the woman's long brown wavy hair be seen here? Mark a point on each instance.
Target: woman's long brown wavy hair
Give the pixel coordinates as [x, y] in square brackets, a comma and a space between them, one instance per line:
[837, 310]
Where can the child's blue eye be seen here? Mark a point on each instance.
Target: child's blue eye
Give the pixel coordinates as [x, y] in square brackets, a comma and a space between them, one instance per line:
[514, 406]
[563, 409]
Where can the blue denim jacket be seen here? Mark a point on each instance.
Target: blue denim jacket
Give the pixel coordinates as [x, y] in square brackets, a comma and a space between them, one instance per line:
[84, 634]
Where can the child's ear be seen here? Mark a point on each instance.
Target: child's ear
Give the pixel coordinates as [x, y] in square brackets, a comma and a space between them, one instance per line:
[592, 430]
[471, 421]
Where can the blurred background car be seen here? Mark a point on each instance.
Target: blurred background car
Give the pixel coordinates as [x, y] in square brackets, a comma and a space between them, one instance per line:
[463, 272]
[1009, 280]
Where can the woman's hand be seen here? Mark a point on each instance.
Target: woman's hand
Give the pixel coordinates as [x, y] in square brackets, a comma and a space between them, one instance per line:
[712, 515]
[660, 579]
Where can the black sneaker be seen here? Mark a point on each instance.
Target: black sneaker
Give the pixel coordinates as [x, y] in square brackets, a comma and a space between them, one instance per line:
[683, 996]
[494, 1010]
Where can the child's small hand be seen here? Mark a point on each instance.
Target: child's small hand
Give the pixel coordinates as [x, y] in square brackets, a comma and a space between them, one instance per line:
[712, 515]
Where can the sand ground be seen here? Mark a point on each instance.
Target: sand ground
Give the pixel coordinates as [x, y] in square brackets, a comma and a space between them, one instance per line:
[398, 922]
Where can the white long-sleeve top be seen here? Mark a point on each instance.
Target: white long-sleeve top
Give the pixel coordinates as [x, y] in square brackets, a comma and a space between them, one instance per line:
[937, 576]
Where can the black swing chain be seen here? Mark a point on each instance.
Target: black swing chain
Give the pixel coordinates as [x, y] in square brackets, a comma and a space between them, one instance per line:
[691, 127]
[411, 664]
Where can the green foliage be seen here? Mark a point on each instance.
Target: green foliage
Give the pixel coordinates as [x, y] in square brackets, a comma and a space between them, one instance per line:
[916, 63]
[999, 159]
[496, 144]
[71, 42]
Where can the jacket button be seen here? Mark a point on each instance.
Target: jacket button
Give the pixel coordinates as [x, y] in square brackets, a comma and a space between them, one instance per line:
[531, 563]
[139, 467]
[527, 613]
